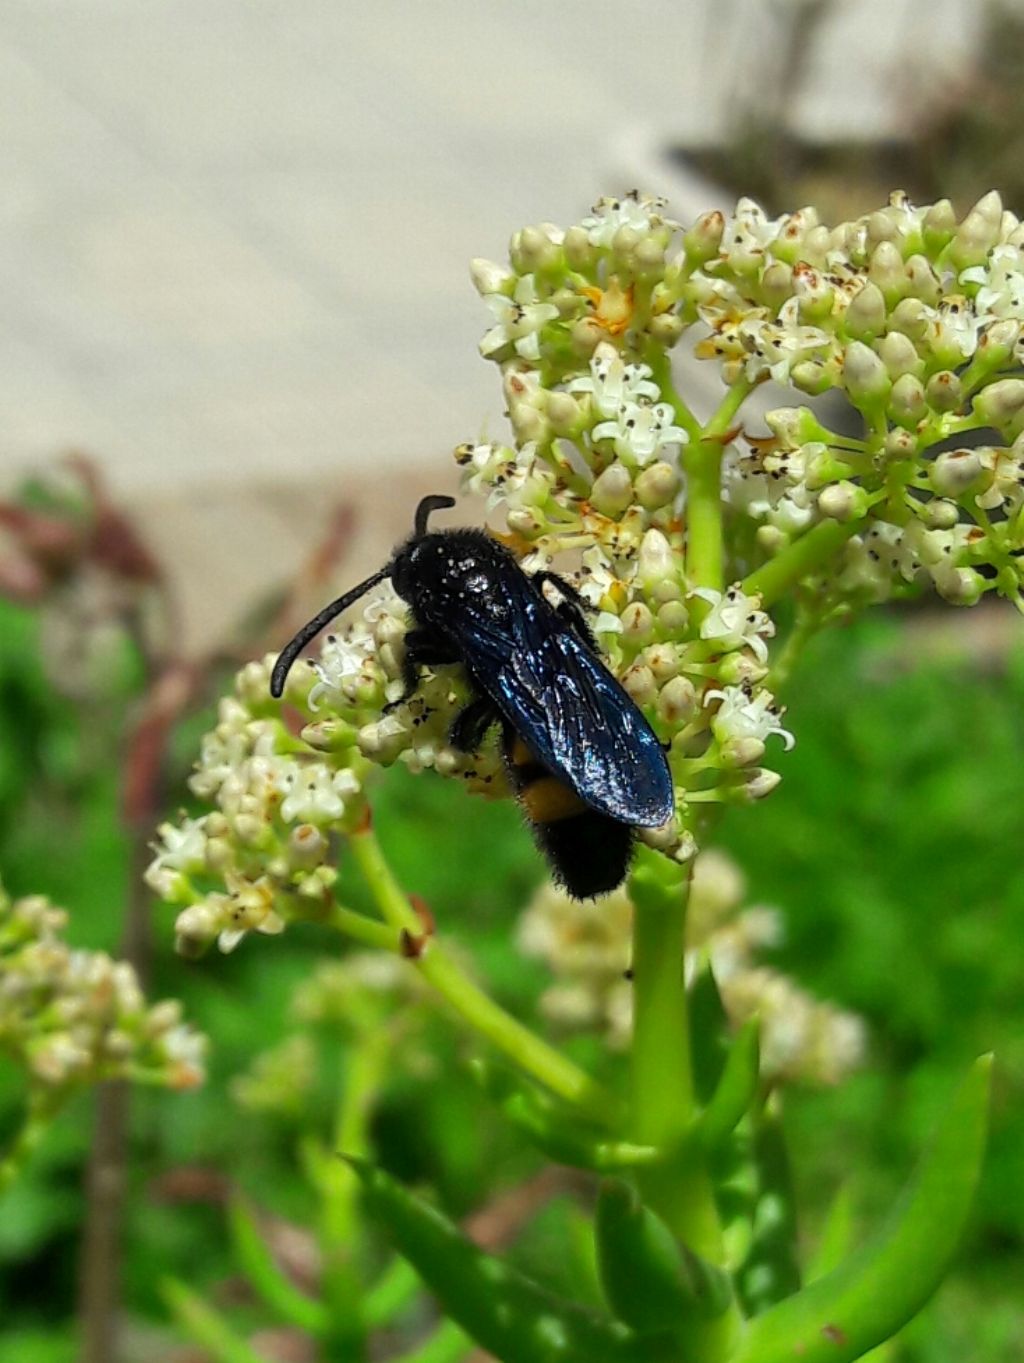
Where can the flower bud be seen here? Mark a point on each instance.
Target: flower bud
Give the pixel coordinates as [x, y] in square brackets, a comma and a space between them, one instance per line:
[250, 829]
[666, 328]
[677, 701]
[640, 684]
[899, 355]
[811, 376]
[637, 623]
[899, 444]
[657, 486]
[565, 414]
[954, 472]
[944, 391]
[941, 515]
[524, 521]
[886, 272]
[579, 250]
[843, 501]
[958, 586]
[663, 660]
[865, 376]
[996, 344]
[626, 240]
[907, 401]
[489, 277]
[1001, 403]
[922, 280]
[777, 284]
[704, 237]
[939, 226]
[529, 423]
[586, 335]
[741, 752]
[741, 668]
[673, 617]
[880, 227]
[306, 845]
[194, 928]
[796, 426]
[612, 492]
[865, 316]
[648, 257]
[655, 562]
[911, 317]
[533, 249]
[815, 296]
[978, 232]
[329, 735]
[761, 783]
[771, 538]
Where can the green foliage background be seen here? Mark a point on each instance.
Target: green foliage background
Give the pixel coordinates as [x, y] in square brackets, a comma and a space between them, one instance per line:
[893, 845]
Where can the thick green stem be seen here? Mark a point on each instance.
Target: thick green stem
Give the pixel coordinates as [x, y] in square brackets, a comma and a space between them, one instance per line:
[663, 1103]
[805, 555]
[702, 462]
[534, 1056]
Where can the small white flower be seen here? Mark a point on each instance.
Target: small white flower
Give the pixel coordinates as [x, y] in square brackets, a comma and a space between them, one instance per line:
[181, 852]
[774, 347]
[312, 792]
[1002, 283]
[736, 620]
[613, 383]
[517, 320]
[744, 713]
[639, 430]
[953, 325]
[750, 231]
[638, 211]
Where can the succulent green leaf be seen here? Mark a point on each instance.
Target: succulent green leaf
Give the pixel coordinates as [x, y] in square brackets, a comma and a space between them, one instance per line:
[505, 1312]
[736, 1089]
[650, 1281]
[709, 1029]
[257, 1263]
[770, 1269]
[870, 1296]
[554, 1128]
[207, 1326]
[836, 1236]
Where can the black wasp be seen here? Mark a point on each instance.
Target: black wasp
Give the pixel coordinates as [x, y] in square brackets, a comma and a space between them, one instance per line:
[585, 764]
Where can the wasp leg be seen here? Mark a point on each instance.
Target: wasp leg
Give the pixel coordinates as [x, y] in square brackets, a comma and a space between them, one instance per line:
[423, 648]
[471, 724]
[573, 608]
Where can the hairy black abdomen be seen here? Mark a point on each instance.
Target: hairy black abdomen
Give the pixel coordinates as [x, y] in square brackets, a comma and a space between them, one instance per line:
[588, 853]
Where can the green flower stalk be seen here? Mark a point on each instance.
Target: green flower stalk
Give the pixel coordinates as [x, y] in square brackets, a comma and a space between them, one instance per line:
[897, 468]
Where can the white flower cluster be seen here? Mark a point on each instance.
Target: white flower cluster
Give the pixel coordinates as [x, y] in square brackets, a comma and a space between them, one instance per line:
[586, 946]
[263, 855]
[73, 1017]
[913, 316]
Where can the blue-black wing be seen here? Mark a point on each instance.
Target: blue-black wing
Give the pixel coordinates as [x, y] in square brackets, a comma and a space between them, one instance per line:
[570, 711]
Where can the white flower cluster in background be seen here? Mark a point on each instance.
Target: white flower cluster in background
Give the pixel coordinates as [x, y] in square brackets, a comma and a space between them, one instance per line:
[72, 1017]
[586, 946]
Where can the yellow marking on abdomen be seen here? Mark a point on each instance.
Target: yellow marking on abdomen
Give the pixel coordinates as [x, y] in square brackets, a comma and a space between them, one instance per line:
[548, 800]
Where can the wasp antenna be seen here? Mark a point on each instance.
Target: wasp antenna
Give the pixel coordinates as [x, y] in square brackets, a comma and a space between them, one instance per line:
[427, 507]
[312, 628]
